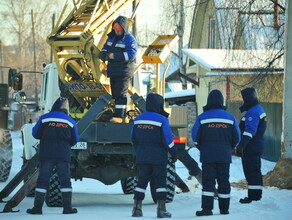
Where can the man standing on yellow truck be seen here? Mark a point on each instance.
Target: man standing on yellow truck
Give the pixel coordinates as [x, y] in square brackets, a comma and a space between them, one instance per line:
[120, 51]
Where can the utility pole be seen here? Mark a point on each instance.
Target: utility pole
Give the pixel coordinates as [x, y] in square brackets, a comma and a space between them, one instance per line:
[287, 103]
[134, 27]
[180, 31]
[34, 62]
[53, 25]
[1, 63]
[281, 174]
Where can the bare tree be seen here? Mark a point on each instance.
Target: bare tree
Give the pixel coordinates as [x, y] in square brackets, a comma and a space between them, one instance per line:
[17, 27]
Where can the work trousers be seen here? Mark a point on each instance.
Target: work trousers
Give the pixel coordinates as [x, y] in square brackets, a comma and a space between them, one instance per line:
[119, 88]
[146, 171]
[63, 171]
[210, 173]
[251, 164]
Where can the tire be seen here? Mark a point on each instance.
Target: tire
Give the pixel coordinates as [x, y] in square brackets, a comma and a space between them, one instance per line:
[170, 183]
[129, 184]
[54, 195]
[5, 154]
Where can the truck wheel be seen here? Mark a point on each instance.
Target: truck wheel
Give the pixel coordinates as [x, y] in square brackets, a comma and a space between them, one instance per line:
[170, 183]
[54, 195]
[129, 184]
[5, 154]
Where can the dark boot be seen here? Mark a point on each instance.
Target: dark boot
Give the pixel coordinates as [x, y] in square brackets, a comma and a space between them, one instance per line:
[137, 209]
[67, 203]
[161, 210]
[247, 200]
[39, 199]
[224, 212]
[204, 212]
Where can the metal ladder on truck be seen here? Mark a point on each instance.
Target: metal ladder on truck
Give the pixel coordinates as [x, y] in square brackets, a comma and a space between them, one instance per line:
[74, 51]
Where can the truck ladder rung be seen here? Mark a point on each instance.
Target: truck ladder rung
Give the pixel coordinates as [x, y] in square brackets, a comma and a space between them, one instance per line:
[83, 19]
[79, 56]
[67, 44]
[75, 28]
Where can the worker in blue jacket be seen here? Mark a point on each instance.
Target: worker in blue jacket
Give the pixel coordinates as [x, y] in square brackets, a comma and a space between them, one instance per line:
[253, 126]
[57, 132]
[152, 139]
[216, 134]
[120, 51]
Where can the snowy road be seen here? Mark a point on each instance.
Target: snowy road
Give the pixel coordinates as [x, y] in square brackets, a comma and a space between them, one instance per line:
[95, 200]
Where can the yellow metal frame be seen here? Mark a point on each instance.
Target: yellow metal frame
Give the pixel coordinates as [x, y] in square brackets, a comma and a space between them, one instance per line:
[162, 43]
[72, 40]
[160, 83]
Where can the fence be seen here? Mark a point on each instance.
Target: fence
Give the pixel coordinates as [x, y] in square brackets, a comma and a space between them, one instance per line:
[274, 129]
[184, 116]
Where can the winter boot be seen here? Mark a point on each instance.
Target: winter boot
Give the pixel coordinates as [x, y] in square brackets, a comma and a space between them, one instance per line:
[67, 203]
[204, 212]
[247, 200]
[137, 209]
[224, 212]
[38, 204]
[161, 210]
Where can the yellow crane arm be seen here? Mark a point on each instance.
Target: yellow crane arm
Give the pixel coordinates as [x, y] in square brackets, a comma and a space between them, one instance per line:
[71, 40]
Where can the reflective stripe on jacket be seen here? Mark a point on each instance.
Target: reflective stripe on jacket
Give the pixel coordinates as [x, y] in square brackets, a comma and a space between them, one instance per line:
[152, 138]
[253, 126]
[124, 50]
[216, 133]
[57, 132]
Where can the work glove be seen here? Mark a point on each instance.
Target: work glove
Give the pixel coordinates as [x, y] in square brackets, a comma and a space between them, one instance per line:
[173, 159]
[103, 56]
[240, 150]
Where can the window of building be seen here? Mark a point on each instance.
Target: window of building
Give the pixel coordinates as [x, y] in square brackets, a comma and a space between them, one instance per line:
[212, 33]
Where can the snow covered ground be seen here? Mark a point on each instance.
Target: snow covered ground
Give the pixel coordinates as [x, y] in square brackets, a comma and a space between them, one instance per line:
[94, 200]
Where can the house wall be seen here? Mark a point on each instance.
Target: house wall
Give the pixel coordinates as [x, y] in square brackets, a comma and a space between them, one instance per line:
[269, 88]
[197, 24]
[238, 43]
[203, 90]
[200, 25]
[205, 29]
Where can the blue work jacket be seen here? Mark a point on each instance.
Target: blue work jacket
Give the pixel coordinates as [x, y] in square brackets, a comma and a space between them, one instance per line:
[253, 126]
[152, 138]
[124, 49]
[215, 134]
[57, 132]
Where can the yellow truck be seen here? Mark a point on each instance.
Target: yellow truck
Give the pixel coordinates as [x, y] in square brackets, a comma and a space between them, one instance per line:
[105, 151]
